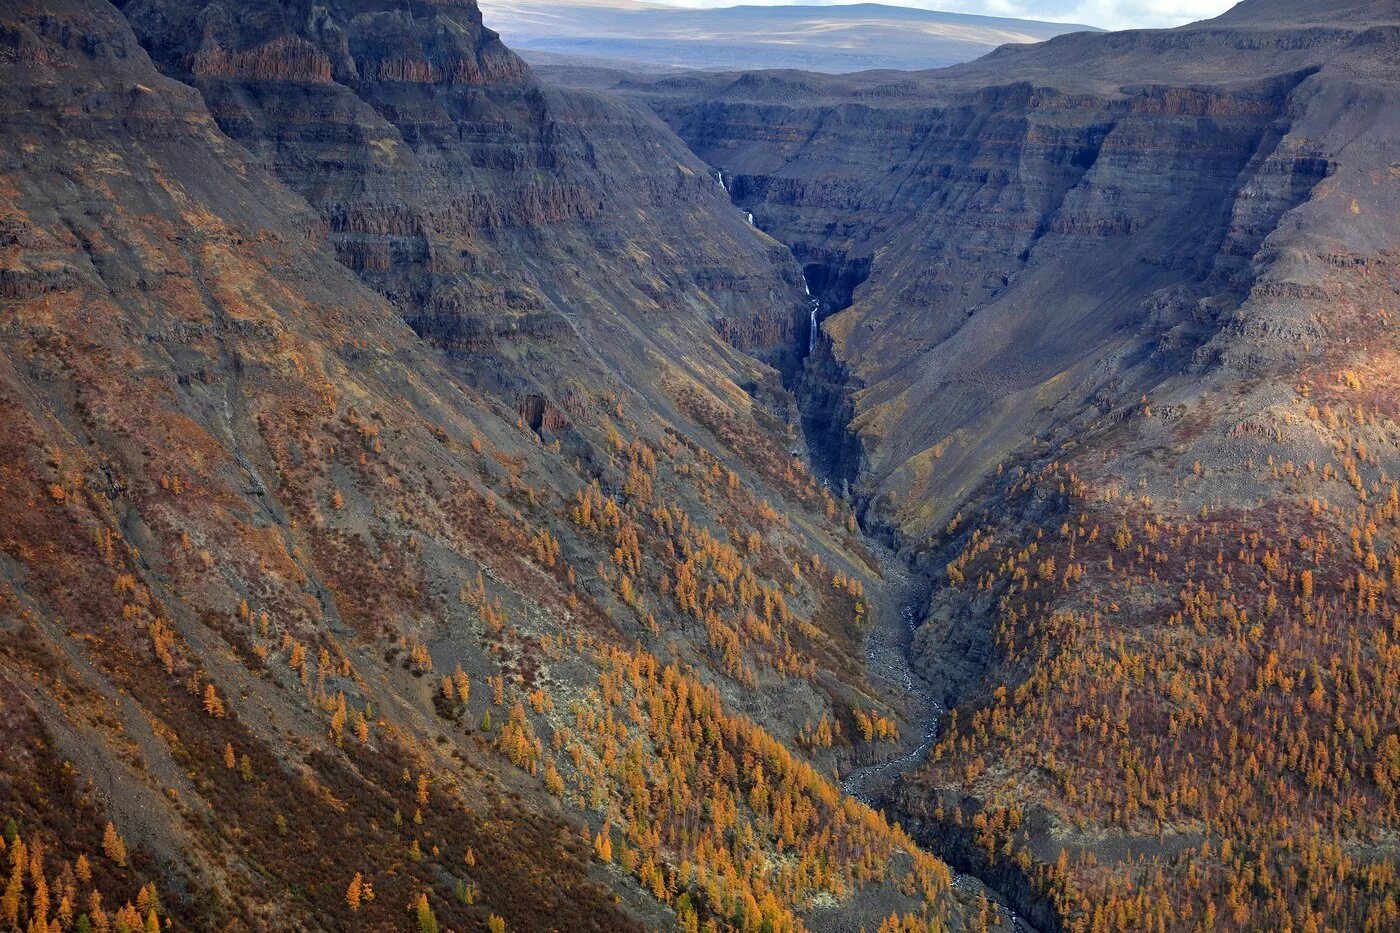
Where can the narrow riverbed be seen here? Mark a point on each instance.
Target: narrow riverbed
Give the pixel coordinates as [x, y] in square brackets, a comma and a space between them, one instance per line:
[896, 613]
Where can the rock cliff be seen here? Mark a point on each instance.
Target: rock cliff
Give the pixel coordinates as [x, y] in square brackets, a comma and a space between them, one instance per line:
[511, 223]
[1037, 230]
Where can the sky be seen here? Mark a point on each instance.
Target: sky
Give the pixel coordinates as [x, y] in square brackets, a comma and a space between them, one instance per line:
[1106, 14]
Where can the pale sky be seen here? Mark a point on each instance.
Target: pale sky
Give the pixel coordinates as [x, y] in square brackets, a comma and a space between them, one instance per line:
[1106, 14]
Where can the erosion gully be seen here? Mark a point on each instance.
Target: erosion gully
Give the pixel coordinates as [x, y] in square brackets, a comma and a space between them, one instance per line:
[896, 613]
[902, 596]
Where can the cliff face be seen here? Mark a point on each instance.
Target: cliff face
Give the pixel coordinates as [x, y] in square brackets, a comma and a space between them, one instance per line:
[180, 360]
[510, 223]
[1033, 234]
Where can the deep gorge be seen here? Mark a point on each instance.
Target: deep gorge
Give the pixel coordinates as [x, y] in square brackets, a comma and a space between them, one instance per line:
[1000, 190]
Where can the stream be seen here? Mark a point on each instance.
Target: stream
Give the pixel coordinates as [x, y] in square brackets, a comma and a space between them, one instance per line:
[897, 614]
[887, 647]
[896, 611]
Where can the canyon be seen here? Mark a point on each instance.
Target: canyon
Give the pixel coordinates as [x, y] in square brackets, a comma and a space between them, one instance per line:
[446, 493]
[1099, 282]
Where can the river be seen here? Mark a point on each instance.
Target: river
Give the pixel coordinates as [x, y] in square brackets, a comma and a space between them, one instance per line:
[897, 611]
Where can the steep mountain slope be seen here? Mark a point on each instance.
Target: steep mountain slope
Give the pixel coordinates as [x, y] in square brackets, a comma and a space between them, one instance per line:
[499, 215]
[1109, 324]
[402, 527]
[393, 543]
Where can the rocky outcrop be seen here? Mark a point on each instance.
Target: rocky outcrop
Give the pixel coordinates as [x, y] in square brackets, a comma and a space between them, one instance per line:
[286, 58]
[264, 40]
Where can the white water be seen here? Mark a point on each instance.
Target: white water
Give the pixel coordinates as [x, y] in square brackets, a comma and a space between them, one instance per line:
[721, 181]
[812, 331]
[750, 218]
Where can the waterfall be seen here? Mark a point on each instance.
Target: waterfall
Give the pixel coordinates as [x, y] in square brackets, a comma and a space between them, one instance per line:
[721, 180]
[751, 218]
[812, 315]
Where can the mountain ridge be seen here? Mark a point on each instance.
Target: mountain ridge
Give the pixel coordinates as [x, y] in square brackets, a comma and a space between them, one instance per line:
[1108, 287]
[838, 38]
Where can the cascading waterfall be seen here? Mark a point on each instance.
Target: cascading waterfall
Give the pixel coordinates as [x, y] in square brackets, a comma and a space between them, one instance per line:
[816, 303]
[719, 179]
